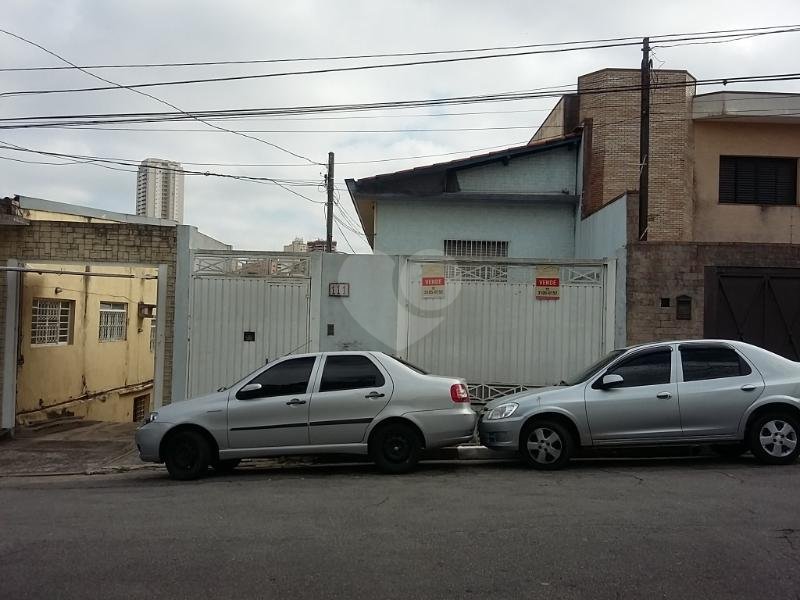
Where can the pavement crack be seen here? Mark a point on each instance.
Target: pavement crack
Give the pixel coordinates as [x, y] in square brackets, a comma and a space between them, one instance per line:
[640, 480]
[786, 534]
[739, 479]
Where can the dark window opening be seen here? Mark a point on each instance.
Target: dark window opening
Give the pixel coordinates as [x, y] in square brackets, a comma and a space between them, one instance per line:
[284, 378]
[757, 180]
[648, 368]
[711, 362]
[350, 373]
[141, 407]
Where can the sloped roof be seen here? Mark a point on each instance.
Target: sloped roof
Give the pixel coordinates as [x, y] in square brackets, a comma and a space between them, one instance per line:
[432, 180]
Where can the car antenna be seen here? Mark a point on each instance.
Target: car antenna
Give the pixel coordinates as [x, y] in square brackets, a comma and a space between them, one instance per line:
[293, 350]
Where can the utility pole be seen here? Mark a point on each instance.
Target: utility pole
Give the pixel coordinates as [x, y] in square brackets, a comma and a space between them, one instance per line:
[644, 141]
[329, 212]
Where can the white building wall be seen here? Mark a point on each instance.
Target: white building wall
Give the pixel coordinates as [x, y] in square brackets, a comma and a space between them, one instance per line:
[533, 229]
[550, 172]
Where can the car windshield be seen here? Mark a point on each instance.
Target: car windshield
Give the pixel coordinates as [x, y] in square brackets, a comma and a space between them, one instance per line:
[583, 375]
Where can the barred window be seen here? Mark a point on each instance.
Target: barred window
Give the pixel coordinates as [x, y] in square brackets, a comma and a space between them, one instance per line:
[51, 322]
[113, 321]
[141, 406]
[471, 271]
[475, 248]
[152, 335]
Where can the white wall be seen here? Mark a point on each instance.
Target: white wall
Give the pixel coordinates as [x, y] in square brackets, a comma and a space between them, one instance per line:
[603, 234]
[534, 229]
[551, 172]
[367, 319]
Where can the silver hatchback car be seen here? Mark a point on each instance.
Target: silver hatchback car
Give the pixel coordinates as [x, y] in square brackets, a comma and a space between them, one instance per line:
[731, 395]
[335, 402]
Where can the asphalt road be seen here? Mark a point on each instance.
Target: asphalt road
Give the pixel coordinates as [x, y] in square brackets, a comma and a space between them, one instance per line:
[680, 528]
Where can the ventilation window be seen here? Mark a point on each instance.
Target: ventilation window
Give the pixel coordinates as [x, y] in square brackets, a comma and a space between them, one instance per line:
[757, 180]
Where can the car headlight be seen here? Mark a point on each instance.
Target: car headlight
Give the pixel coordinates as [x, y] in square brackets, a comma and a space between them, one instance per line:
[153, 416]
[503, 411]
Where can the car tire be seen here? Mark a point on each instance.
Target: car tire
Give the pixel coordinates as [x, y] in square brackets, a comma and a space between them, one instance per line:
[187, 455]
[226, 466]
[729, 450]
[395, 448]
[546, 445]
[773, 438]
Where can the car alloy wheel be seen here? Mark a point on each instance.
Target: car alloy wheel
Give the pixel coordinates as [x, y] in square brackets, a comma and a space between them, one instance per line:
[544, 445]
[778, 438]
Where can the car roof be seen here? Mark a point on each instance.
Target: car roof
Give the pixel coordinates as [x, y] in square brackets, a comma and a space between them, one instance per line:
[734, 343]
[337, 352]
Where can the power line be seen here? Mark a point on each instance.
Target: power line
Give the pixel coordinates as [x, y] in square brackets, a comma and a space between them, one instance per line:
[164, 102]
[383, 55]
[129, 118]
[114, 164]
[352, 56]
[409, 130]
[734, 34]
[231, 78]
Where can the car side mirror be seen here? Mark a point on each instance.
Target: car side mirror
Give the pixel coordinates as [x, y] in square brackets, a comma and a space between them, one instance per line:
[610, 381]
[247, 390]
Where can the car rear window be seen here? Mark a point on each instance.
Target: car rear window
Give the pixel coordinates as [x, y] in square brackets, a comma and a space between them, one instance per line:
[701, 362]
[350, 372]
[405, 363]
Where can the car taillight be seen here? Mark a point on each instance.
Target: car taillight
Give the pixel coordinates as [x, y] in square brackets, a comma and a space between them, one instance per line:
[459, 393]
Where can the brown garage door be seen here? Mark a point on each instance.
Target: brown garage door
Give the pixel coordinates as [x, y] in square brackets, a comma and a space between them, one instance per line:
[759, 306]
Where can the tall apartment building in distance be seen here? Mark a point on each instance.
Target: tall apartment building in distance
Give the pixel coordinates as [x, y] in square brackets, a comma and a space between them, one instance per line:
[159, 189]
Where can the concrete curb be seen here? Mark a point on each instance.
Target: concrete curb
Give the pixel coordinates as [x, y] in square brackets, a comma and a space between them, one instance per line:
[465, 453]
[468, 452]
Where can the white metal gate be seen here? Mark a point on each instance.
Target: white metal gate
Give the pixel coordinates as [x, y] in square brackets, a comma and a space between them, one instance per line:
[245, 308]
[489, 328]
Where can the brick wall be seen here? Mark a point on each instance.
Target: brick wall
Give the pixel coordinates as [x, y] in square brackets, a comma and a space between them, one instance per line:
[666, 270]
[69, 242]
[613, 158]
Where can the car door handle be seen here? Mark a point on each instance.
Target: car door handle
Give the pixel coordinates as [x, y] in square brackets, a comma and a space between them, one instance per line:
[295, 401]
[748, 387]
[664, 395]
[374, 395]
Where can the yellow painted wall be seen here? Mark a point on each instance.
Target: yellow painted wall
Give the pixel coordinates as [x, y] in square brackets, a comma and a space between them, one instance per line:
[44, 215]
[715, 222]
[86, 377]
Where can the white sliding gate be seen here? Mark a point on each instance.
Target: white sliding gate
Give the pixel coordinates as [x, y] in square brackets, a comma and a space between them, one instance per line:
[490, 329]
[245, 308]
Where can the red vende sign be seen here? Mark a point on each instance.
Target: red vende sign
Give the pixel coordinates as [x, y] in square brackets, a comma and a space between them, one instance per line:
[427, 281]
[545, 282]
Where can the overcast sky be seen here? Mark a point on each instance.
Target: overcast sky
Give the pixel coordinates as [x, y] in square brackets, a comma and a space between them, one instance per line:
[254, 216]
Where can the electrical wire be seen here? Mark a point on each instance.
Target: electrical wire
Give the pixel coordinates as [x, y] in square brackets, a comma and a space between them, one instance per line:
[161, 101]
[316, 131]
[383, 55]
[129, 118]
[231, 78]
[115, 164]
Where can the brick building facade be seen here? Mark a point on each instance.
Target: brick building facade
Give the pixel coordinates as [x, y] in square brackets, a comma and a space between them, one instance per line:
[719, 256]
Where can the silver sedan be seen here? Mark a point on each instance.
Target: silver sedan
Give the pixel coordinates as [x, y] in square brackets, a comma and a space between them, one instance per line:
[732, 395]
[336, 402]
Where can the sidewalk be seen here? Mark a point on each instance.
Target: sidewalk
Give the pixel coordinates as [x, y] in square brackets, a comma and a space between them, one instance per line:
[81, 447]
[90, 447]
